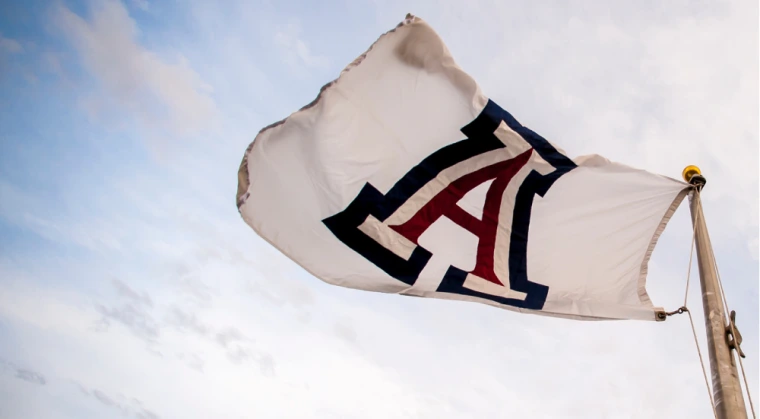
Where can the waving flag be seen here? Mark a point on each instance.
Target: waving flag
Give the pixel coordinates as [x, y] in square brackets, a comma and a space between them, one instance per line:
[403, 177]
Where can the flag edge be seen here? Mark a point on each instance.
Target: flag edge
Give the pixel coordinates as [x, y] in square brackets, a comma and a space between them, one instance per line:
[644, 271]
[243, 175]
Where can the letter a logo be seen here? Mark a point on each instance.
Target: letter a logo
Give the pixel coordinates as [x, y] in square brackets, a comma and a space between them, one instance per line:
[385, 229]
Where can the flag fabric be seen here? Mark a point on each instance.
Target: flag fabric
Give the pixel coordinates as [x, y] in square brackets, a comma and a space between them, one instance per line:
[402, 176]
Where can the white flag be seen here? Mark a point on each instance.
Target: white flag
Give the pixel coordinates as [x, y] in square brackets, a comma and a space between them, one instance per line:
[403, 177]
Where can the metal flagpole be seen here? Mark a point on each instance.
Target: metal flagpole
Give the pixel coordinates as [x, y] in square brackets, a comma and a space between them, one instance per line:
[726, 390]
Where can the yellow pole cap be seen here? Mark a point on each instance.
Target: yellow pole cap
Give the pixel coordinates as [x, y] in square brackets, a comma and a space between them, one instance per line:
[689, 172]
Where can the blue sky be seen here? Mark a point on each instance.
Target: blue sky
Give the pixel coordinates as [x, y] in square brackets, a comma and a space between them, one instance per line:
[130, 287]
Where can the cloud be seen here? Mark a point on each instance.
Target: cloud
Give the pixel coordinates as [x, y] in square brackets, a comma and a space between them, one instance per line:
[754, 248]
[132, 407]
[346, 332]
[238, 348]
[162, 93]
[187, 322]
[134, 313]
[30, 376]
[10, 46]
[237, 354]
[23, 374]
[141, 4]
[125, 291]
[146, 414]
[101, 397]
[229, 335]
[295, 51]
[193, 290]
[94, 238]
[137, 313]
[266, 364]
[193, 361]
[135, 318]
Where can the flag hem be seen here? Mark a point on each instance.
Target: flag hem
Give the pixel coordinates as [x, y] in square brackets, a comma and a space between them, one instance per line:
[643, 295]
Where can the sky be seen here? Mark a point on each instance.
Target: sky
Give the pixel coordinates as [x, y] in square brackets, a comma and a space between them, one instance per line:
[131, 288]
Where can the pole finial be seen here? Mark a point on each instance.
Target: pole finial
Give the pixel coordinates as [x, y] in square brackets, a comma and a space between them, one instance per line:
[690, 171]
[692, 175]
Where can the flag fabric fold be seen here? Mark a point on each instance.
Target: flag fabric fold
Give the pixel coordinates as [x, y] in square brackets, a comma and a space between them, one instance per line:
[402, 176]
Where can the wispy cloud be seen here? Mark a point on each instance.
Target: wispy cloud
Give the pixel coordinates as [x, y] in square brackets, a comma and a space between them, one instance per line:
[229, 335]
[21, 373]
[193, 361]
[30, 376]
[134, 312]
[143, 5]
[127, 292]
[187, 322]
[132, 407]
[345, 331]
[295, 51]
[163, 93]
[10, 46]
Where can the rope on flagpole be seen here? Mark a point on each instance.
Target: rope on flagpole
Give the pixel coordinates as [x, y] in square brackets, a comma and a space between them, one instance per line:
[691, 320]
[702, 363]
[684, 309]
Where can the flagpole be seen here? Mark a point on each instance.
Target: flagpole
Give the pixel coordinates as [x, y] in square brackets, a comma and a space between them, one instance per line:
[726, 389]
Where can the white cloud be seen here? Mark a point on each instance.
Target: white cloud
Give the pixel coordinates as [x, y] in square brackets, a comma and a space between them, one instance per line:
[295, 50]
[754, 248]
[164, 93]
[141, 4]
